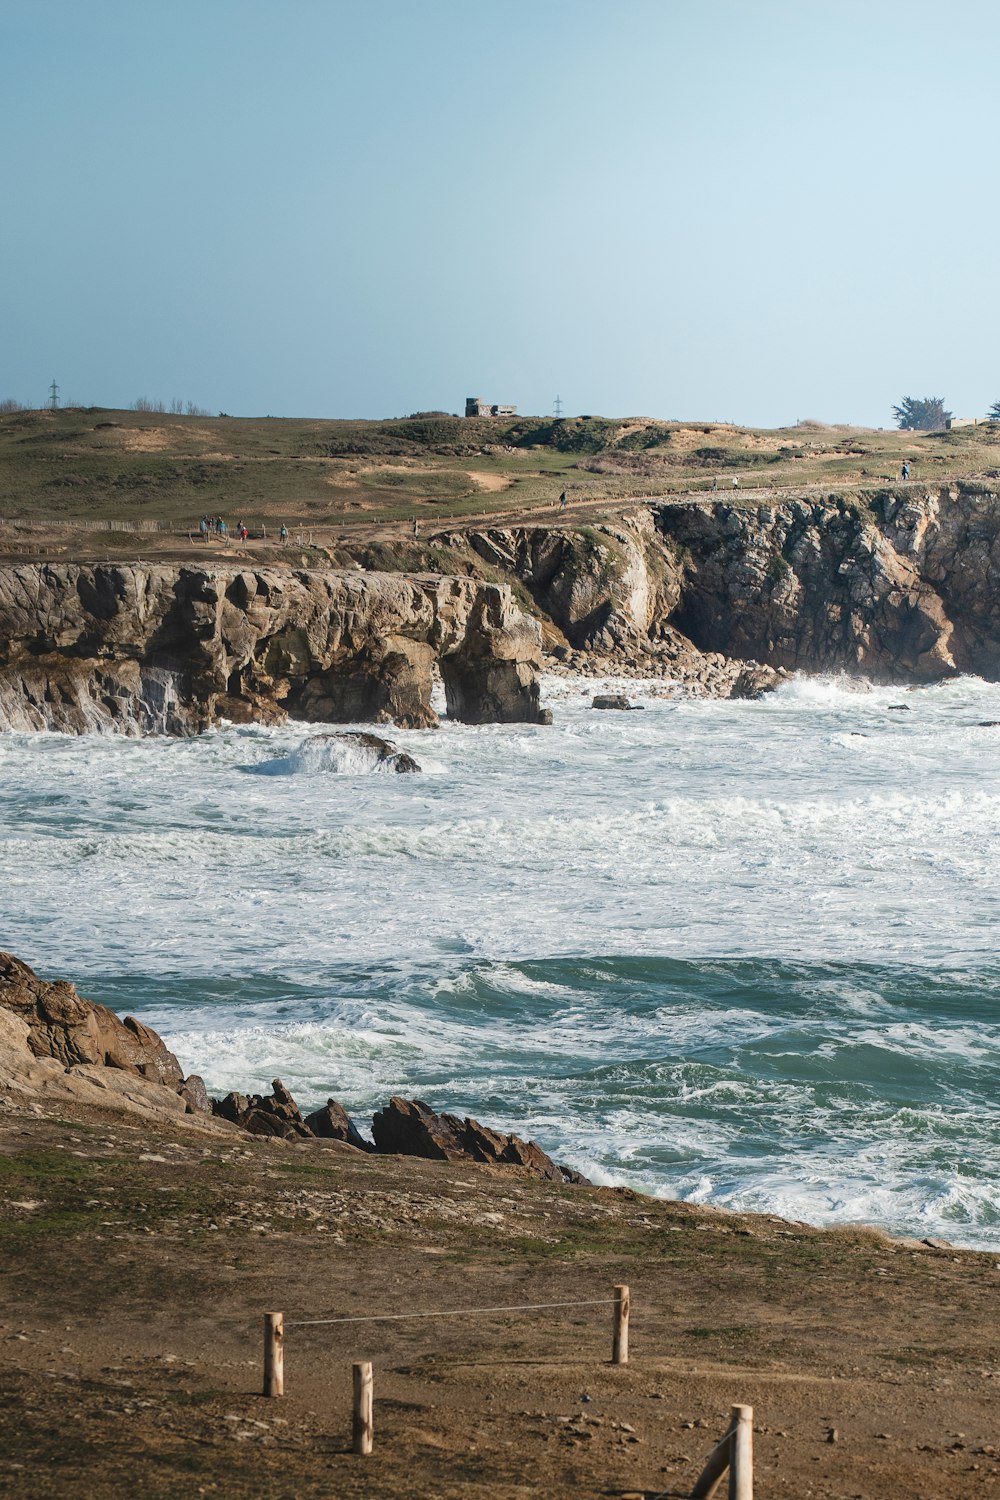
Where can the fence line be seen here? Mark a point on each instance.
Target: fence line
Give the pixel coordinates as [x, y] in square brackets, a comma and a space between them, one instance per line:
[79, 524]
[455, 1312]
[733, 1453]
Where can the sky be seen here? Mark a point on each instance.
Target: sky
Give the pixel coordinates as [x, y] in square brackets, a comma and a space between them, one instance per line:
[758, 211]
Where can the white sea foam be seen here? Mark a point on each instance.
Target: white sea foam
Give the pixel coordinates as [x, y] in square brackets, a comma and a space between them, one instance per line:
[739, 951]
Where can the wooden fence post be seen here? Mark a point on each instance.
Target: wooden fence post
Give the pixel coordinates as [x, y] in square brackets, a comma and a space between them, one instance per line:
[619, 1342]
[741, 1461]
[363, 1401]
[274, 1354]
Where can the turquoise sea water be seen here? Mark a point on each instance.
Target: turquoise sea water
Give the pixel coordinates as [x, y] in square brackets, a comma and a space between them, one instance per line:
[740, 953]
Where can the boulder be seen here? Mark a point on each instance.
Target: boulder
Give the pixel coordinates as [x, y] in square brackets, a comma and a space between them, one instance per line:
[409, 1127]
[63, 1025]
[264, 1114]
[753, 681]
[385, 752]
[615, 701]
[195, 1095]
[332, 1123]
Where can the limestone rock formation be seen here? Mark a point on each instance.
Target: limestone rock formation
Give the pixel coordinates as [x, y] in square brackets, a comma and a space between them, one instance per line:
[411, 1128]
[607, 596]
[826, 586]
[175, 649]
[602, 586]
[723, 599]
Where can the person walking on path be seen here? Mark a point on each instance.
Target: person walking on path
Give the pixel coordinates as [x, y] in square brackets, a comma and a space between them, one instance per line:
[562, 503]
[283, 534]
[906, 469]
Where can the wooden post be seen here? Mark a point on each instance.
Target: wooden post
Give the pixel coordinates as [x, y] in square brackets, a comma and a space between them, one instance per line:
[741, 1462]
[274, 1354]
[363, 1394]
[619, 1342]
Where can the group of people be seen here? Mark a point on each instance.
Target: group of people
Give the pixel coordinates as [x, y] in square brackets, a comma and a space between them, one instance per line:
[215, 525]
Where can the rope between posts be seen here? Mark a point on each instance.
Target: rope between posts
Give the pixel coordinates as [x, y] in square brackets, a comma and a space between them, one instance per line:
[455, 1312]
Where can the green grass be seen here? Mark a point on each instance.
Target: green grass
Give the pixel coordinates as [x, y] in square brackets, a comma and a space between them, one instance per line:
[97, 464]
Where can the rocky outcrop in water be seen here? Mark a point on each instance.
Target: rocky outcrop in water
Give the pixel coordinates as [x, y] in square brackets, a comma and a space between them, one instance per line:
[384, 752]
[175, 649]
[615, 702]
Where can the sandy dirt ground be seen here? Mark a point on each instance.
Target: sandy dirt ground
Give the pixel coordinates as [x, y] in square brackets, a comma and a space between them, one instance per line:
[137, 1267]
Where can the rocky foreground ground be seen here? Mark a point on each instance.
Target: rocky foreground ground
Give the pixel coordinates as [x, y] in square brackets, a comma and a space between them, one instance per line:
[141, 1244]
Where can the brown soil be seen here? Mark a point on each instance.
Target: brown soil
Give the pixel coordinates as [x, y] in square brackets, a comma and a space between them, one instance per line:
[137, 1268]
[490, 482]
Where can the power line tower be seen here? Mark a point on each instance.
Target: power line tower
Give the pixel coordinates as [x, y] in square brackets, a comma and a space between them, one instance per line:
[557, 407]
[53, 397]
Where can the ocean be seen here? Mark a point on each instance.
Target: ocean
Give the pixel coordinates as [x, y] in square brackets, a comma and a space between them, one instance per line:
[736, 953]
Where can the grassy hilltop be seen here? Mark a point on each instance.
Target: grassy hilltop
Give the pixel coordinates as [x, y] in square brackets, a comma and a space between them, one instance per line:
[90, 463]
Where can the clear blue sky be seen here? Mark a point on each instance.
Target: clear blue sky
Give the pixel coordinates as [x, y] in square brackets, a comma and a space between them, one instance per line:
[716, 208]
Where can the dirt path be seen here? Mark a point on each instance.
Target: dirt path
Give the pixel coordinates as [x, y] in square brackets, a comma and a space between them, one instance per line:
[136, 1272]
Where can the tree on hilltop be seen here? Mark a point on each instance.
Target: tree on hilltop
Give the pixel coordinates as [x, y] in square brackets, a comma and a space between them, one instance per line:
[994, 412]
[923, 414]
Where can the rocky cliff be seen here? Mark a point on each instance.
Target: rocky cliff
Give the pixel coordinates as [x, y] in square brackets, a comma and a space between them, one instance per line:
[174, 649]
[902, 588]
[720, 598]
[899, 586]
[608, 597]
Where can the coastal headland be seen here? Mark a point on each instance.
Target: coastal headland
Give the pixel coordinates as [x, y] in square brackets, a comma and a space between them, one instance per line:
[144, 1236]
[142, 1240]
[476, 550]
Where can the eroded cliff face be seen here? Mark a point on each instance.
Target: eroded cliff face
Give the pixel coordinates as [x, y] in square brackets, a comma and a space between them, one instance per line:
[904, 590]
[722, 596]
[608, 596]
[716, 597]
[173, 650]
